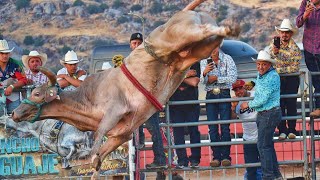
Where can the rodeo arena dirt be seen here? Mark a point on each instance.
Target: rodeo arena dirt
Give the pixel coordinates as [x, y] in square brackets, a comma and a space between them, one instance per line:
[83, 134]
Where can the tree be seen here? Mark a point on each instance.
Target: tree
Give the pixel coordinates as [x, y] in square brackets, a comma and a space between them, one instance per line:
[65, 49]
[22, 4]
[78, 3]
[28, 40]
[117, 3]
[156, 8]
[136, 7]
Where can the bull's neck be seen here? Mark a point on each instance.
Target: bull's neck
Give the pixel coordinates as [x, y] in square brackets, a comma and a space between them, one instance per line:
[71, 108]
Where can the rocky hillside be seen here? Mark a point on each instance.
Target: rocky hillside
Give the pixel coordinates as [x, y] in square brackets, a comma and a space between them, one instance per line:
[55, 26]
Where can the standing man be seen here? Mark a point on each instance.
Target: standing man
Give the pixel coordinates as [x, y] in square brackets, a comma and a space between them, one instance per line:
[219, 72]
[267, 103]
[309, 16]
[31, 62]
[288, 56]
[250, 131]
[71, 76]
[11, 75]
[188, 90]
[152, 124]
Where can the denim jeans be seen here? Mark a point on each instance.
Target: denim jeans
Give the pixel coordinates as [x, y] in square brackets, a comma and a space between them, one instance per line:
[186, 115]
[289, 85]
[152, 125]
[251, 155]
[313, 64]
[214, 111]
[11, 106]
[267, 121]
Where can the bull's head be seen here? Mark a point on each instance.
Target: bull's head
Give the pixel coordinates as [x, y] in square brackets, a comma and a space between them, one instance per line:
[30, 108]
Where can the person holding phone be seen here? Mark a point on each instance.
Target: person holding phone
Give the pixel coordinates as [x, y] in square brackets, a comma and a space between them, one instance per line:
[287, 55]
[309, 17]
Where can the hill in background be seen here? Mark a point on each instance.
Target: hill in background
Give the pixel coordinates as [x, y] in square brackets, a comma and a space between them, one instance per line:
[56, 26]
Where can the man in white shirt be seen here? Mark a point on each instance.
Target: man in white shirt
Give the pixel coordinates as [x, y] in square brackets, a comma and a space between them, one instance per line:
[250, 131]
[71, 76]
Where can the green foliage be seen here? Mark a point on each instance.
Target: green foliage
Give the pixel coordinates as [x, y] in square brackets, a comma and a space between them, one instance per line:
[136, 7]
[171, 7]
[78, 3]
[39, 41]
[28, 40]
[64, 49]
[104, 6]
[117, 3]
[246, 27]
[258, 14]
[94, 9]
[122, 19]
[22, 4]
[25, 51]
[156, 8]
[223, 12]
[245, 39]
[293, 11]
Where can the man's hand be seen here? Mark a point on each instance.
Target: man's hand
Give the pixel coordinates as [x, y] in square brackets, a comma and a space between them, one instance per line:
[29, 81]
[244, 105]
[191, 73]
[81, 73]
[208, 68]
[8, 91]
[309, 8]
[275, 50]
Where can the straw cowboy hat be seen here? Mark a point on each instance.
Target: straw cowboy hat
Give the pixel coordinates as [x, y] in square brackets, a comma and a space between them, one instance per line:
[264, 56]
[286, 25]
[4, 47]
[70, 58]
[26, 58]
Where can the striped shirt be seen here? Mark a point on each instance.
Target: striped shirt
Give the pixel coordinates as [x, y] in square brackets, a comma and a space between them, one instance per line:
[311, 34]
[288, 58]
[38, 79]
[225, 70]
[267, 91]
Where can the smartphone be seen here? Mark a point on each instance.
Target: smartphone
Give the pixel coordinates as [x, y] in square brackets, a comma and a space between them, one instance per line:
[276, 41]
[209, 61]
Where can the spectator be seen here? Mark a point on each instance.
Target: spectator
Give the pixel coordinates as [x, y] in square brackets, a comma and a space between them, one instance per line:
[309, 16]
[288, 56]
[31, 62]
[188, 90]
[11, 75]
[71, 76]
[267, 103]
[249, 85]
[152, 124]
[219, 72]
[250, 131]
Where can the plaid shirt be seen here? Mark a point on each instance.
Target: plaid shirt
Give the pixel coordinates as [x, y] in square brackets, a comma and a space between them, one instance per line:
[311, 34]
[225, 70]
[38, 79]
[288, 58]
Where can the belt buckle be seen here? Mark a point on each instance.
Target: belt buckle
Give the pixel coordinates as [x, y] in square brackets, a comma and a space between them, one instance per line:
[216, 91]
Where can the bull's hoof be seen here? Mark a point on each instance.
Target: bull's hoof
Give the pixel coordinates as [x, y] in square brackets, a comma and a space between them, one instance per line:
[234, 31]
[95, 175]
[96, 162]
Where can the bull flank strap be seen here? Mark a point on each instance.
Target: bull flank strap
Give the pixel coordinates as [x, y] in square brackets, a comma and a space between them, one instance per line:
[146, 93]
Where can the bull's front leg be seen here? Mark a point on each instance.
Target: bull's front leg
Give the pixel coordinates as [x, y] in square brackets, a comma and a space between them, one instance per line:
[211, 30]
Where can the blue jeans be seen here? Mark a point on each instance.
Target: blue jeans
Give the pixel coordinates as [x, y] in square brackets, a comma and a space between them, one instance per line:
[186, 115]
[251, 155]
[11, 106]
[267, 121]
[213, 112]
[152, 125]
[313, 64]
[289, 85]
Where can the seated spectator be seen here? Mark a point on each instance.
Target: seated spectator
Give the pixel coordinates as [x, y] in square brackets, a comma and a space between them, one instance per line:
[11, 76]
[71, 76]
[31, 62]
[249, 85]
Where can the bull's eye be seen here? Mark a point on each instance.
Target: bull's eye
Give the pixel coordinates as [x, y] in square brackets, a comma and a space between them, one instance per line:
[37, 94]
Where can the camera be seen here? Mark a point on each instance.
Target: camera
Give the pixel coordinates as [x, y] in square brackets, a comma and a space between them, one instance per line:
[276, 42]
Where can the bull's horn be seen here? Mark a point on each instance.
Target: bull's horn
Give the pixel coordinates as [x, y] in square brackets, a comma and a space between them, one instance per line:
[49, 74]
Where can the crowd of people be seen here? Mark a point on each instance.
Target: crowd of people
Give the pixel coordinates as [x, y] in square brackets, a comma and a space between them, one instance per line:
[218, 73]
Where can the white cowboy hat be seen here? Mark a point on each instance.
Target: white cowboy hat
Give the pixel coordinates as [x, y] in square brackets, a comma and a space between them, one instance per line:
[264, 56]
[26, 58]
[70, 58]
[286, 25]
[4, 47]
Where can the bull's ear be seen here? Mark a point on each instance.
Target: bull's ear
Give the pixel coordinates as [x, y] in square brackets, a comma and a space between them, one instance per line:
[51, 94]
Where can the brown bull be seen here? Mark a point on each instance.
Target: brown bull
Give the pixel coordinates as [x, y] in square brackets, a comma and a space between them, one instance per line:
[109, 103]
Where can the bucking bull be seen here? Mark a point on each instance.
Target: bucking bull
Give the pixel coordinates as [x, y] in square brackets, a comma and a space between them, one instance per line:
[109, 103]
